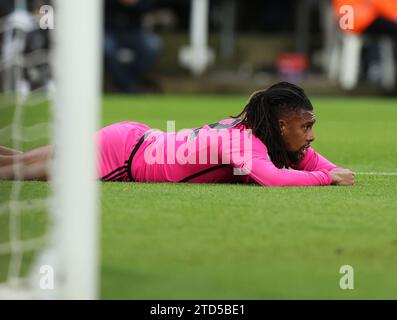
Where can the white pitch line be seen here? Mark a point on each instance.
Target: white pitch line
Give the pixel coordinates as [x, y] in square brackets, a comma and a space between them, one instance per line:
[376, 173]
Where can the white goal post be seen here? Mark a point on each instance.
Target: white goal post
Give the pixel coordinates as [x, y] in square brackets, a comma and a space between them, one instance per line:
[78, 26]
[72, 239]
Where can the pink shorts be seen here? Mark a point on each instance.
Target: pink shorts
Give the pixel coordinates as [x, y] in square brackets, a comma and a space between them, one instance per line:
[115, 143]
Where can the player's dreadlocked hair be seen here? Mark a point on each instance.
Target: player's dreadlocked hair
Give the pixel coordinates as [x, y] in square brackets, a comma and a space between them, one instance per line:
[263, 111]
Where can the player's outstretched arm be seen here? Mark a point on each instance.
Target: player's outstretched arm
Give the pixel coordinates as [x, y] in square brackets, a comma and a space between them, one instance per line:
[315, 171]
[342, 177]
[313, 161]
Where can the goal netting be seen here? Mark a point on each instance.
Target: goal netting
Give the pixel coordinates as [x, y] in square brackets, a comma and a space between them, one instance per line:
[50, 94]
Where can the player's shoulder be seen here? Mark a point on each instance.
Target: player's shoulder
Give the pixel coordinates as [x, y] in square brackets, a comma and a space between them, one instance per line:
[225, 123]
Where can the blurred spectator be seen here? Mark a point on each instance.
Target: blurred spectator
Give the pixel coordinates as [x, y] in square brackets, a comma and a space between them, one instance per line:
[371, 16]
[129, 49]
[21, 34]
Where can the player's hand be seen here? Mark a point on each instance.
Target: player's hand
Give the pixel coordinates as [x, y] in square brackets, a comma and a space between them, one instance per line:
[342, 177]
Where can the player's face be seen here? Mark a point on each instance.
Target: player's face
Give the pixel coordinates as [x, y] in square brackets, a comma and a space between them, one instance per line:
[297, 131]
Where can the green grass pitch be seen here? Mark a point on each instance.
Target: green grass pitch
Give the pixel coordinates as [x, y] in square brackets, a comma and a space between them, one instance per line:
[197, 241]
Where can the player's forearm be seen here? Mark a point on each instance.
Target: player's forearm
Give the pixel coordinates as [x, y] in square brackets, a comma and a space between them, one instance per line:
[313, 161]
[286, 177]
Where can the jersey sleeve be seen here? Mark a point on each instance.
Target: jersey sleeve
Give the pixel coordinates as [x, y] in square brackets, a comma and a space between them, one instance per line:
[313, 161]
[253, 159]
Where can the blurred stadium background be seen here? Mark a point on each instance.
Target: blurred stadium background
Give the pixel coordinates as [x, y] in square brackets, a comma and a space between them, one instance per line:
[195, 62]
[238, 46]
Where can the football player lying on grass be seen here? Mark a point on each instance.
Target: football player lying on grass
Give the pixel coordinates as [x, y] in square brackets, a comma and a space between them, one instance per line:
[268, 143]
